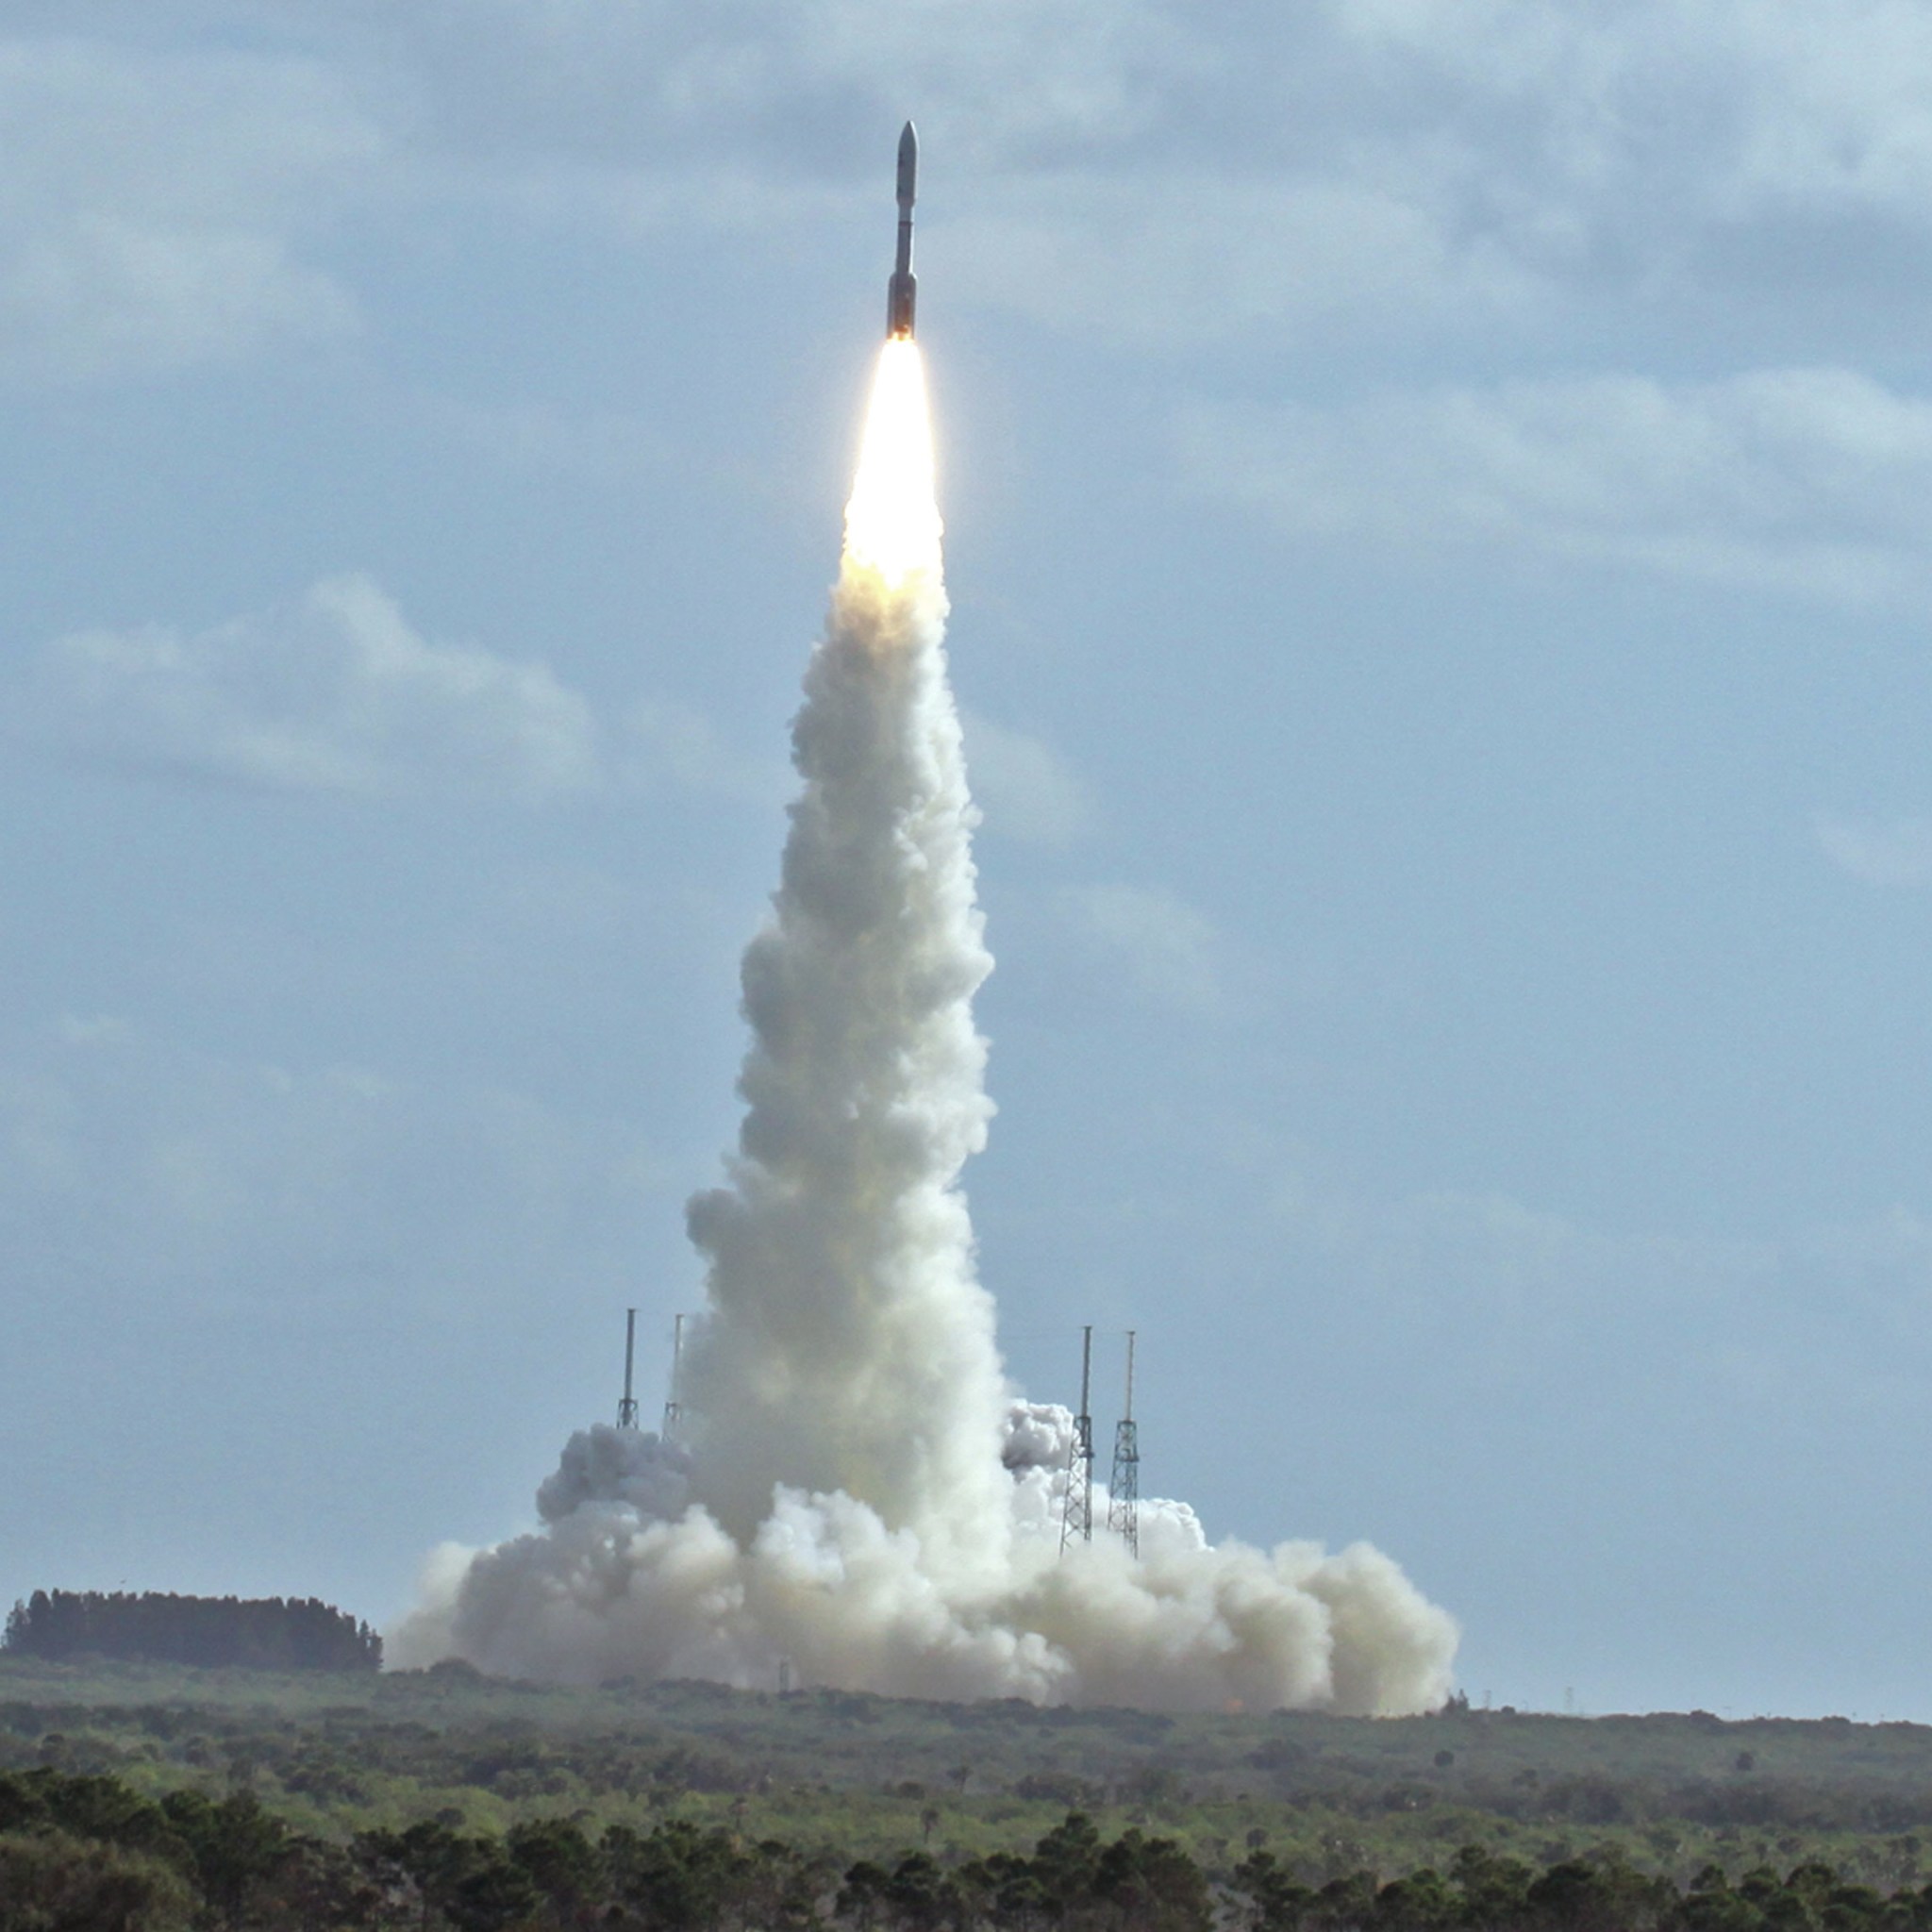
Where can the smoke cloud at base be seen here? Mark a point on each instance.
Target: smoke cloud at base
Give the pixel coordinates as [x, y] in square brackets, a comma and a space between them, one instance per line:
[609, 1590]
[863, 1497]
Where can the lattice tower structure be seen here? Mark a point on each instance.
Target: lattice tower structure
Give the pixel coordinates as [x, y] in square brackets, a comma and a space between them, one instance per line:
[627, 1406]
[1123, 1484]
[673, 1402]
[1077, 1520]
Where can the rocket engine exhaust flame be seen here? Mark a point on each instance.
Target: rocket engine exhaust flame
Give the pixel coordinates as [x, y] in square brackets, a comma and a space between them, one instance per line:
[858, 1490]
[892, 520]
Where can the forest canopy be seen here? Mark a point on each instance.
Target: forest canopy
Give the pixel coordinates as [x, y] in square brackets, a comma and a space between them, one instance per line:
[262, 1633]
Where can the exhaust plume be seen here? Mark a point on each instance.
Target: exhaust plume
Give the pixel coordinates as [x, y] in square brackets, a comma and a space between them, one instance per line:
[863, 1494]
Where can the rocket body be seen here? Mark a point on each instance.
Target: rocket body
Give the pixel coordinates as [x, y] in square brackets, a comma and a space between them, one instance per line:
[902, 291]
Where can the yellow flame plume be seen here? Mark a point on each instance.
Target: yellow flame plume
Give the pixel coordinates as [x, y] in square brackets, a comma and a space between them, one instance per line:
[892, 521]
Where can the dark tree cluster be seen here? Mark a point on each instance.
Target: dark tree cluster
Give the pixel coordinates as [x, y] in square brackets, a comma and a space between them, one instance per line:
[265, 1633]
[87, 1851]
[1071, 1883]
[1481, 1892]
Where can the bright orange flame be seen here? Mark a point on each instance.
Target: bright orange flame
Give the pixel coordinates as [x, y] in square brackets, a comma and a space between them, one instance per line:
[893, 522]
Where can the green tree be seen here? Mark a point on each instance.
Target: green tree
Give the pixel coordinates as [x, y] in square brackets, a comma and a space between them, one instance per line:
[1004, 1890]
[468, 1882]
[680, 1878]
[862, 1896]
[1494, 1890]
[560, 1862]
[51, 1881]
[1418, 1902]
[236, 1847]
[1064, 1863]
[1151, 1885]
[1275, 1902]
[1579, 1895]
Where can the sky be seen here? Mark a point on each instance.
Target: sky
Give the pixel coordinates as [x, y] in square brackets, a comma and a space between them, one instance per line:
[1439, 517]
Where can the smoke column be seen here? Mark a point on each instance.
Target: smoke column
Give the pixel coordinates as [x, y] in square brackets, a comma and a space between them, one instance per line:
[849, 1346]
[863, 1494]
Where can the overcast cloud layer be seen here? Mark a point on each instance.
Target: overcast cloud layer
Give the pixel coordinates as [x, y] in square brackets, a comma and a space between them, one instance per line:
[1437, 514]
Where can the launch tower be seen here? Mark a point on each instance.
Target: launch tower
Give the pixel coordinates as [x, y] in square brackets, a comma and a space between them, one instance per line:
[1077, 1521]
[1124, 1486]
[673, 1402]
[627, 1407]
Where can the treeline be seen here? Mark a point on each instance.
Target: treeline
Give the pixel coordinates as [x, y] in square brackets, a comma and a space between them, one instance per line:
[1481, 1892]
[1597, 1800]
[263, 1633]
[87, 1851]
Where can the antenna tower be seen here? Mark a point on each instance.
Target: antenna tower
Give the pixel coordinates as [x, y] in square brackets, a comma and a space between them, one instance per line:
[1123, 1486]
[673, 1406]
[628, 1408]
[1079, 1517]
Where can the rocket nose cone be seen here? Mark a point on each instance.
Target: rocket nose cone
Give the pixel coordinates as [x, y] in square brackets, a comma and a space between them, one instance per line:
[908, 164]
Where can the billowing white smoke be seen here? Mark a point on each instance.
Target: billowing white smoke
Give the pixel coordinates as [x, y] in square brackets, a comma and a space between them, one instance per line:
[849, 1346]
[863, 1494]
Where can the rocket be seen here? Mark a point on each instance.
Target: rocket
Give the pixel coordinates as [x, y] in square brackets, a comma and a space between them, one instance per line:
[902, 290]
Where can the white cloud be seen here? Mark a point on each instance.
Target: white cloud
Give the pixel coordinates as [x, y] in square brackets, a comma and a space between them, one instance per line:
[132, 1165]
[333, 692]
[152, 201]
[1026, 788]
[336, 691]
[656, 78]
[1809, 480]
[1056, 186]
[1751, 113]
[1157, 942]
[1897, 852]
[1135, 167]
[1507, 1290]
[608, 445]
[1170, 256]
[667, 743]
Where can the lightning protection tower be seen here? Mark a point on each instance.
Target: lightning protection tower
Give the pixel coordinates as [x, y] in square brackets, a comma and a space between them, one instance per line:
[674, 1403]
[1077, 1519]
[1124, 1486]
[627, 1407]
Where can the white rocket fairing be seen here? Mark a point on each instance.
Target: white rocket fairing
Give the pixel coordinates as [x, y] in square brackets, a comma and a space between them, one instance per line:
[903, 290]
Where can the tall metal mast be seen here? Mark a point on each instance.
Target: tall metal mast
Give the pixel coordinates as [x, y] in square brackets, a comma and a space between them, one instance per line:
[673, 1404]
[1077, 1521]
[628, 1408]
[1123, 1486]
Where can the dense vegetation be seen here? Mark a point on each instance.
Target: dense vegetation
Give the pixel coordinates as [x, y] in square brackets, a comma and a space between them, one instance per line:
[446, 1802]
[86, 1852]
[265, 1633]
